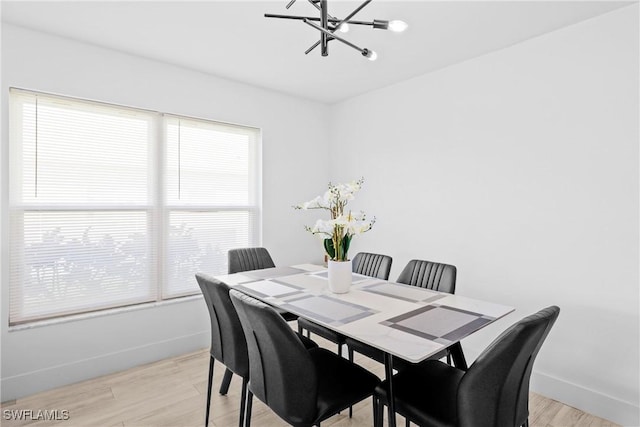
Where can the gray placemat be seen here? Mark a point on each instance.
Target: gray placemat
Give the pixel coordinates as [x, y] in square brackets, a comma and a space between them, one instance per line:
[269, 288]
[327, 310]
[439, 323]
[403, 292]
[270, 273]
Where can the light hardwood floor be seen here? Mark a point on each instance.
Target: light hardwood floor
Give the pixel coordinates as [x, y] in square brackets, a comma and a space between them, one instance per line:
[172, 392]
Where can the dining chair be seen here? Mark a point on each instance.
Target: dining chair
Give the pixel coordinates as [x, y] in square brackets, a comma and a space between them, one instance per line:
[246, 259]
[367, 264]
[425, 274]
[372, 265]
[303, 387]
[228, 344]
[493, 392]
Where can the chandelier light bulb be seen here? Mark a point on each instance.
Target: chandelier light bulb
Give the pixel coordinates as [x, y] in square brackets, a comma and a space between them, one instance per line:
[344, 28]
[397, 26]
[371, 55]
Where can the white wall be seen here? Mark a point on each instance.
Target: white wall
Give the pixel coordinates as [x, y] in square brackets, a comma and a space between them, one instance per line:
[521, 168]
[49, 356]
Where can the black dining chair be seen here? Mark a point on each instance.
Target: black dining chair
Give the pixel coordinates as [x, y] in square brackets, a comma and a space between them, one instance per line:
[372, 265]
[425, 274]
[367, 264]
[303, 387]
[246, 259]
[493, 392]
[228, 344]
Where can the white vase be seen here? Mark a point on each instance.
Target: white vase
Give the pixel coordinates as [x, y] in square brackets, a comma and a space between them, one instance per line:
[339, 276]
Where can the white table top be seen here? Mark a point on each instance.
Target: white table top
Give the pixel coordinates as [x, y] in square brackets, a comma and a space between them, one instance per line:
[406, 321]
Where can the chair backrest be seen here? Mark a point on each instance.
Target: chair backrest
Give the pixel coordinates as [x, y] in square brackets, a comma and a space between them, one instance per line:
[281, 371]
[495, 389]
[430, 275]
[372, 265]
[245, 259]
[228, 344]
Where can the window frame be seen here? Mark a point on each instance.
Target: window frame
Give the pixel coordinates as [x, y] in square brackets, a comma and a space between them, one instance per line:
[157, 208]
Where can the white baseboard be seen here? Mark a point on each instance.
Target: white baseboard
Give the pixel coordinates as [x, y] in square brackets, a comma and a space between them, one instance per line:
[56, 376]
[591, 401]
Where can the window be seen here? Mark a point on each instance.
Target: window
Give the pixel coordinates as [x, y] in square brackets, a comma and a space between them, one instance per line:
[211, 198]
[113, 206]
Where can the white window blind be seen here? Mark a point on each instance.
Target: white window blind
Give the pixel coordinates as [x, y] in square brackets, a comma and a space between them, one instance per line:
[93, 226]
[212, 198]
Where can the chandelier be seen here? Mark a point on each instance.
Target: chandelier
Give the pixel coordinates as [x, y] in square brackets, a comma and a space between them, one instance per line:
[329, 25]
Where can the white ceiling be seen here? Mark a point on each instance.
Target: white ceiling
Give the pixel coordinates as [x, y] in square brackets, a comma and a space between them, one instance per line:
[232, 39]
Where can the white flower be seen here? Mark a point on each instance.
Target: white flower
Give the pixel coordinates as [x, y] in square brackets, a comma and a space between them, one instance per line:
[341, 226]
[347, 197]
[324, 227]
[327, 199]
[358, 227]
[353, 186]
[358, 215]
[317, 203]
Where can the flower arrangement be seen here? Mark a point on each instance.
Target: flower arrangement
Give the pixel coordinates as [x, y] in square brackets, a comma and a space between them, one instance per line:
[340, 229]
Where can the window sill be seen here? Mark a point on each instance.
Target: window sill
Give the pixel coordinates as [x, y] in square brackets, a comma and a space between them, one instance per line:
[101, 313]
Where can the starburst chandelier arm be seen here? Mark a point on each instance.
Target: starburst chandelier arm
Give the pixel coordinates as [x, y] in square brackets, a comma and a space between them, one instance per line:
[363, 51]
[306, 52]
[352, 14]
[313, 18]
[290, 4]
[345, 20]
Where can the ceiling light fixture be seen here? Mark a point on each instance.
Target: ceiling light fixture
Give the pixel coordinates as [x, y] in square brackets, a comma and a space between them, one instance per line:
[329, 25]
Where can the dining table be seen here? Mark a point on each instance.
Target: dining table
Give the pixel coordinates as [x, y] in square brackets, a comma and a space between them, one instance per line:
[403, 321]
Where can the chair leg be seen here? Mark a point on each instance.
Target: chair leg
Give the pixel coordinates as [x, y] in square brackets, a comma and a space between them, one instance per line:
[350, 352]
[351, 355]
[226, 380]
[247, 416]
[407, 423]
[388, 368]
[206, 416]
[299, 329]
[378, 416]
[374, 404]
[526, 423]
[243, 401]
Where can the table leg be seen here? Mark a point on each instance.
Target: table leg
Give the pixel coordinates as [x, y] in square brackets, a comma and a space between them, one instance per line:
[457, 355]
[388, 369]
